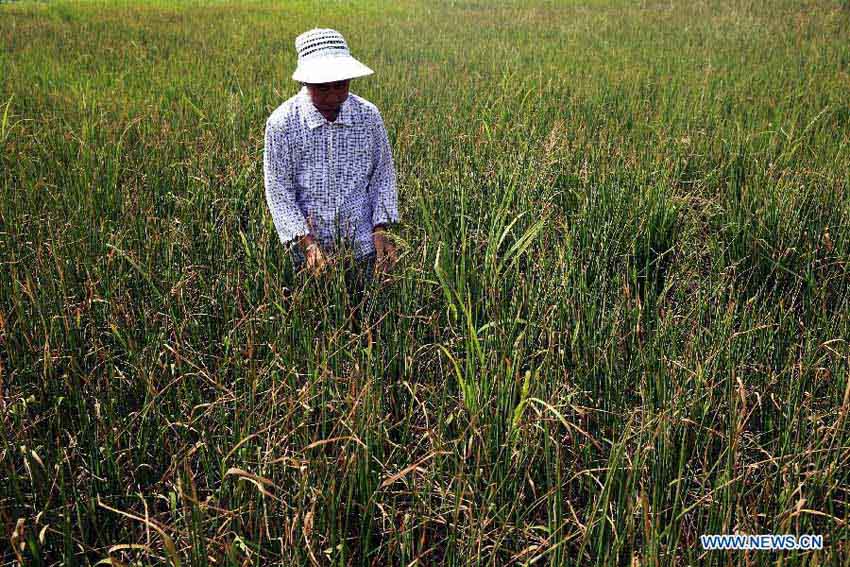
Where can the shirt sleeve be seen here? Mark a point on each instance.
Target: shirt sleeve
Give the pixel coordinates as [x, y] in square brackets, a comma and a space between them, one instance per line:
[280, 187]
[382, 186]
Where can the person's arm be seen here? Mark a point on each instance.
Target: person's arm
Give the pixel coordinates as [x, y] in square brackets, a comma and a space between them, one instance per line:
[383, 196]
[280, 186]
[383, 193]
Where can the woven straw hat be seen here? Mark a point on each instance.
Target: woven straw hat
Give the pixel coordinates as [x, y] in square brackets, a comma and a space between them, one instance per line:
[323, 57]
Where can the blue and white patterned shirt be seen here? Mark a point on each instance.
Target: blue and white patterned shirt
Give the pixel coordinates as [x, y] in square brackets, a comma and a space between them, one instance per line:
[334, 180]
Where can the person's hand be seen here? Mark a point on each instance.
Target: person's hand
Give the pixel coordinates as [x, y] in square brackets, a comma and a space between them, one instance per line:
[316, 261]
[385, 251]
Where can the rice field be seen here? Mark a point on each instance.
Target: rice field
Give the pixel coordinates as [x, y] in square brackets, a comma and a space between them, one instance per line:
[620, 319]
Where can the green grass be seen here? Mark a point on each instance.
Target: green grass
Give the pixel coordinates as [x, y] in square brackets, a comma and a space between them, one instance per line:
[620, 320]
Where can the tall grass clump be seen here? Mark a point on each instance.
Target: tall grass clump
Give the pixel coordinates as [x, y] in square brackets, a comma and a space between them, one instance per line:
[619, 321]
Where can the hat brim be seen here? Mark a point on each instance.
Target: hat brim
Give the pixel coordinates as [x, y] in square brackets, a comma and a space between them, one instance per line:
[330, 69]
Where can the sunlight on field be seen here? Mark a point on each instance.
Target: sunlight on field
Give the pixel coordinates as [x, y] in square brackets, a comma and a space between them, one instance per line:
[620, 320]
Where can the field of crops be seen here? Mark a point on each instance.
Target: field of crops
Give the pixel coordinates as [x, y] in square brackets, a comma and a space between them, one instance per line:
[620, 320]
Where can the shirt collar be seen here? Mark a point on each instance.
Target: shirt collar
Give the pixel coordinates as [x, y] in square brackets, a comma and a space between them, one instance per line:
[315, 118]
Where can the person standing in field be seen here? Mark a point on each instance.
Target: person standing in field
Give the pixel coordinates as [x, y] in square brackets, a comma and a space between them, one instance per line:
[329, 176]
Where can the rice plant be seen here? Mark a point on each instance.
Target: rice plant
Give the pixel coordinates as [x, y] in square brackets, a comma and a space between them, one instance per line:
[620, 320]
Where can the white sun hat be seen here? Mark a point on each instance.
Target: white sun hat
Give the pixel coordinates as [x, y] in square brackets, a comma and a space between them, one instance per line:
[323, 57]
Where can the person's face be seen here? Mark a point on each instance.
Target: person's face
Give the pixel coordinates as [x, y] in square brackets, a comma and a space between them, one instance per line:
[327, 97]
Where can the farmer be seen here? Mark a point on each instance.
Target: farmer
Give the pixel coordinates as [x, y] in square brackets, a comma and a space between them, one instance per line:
[329, 175]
